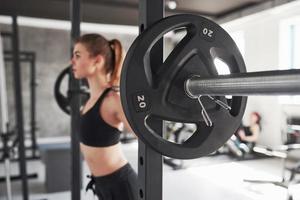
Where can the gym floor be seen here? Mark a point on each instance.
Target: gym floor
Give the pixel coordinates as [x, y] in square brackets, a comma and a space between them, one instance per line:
[214, 177]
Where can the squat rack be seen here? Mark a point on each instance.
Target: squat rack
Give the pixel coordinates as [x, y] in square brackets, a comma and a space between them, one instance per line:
[19, 108]
[19, 114]
[30, 57]
[150, 172]
[75, 102]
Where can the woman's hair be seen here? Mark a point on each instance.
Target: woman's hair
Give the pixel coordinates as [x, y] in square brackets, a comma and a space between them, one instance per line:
[258, 117]
[112, 52]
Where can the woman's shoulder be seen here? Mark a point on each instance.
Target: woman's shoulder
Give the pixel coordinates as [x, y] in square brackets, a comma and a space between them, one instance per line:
[113, 96]
[112, 102]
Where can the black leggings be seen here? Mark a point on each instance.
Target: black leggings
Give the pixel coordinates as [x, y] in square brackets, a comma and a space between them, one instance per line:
[120, 185]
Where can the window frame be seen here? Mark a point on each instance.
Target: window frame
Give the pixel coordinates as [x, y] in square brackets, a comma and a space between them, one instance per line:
[289, 34]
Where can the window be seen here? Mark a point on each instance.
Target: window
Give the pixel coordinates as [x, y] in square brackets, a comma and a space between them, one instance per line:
[289, 51]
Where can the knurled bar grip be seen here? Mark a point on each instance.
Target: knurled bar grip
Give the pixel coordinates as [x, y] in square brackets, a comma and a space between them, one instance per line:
[282, 82]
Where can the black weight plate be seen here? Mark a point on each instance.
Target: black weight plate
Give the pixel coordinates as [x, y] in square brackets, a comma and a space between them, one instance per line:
[160, 94]
[62, 99]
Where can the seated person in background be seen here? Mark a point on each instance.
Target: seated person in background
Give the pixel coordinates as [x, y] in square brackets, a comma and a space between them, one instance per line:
[243, 141]
[249, 134]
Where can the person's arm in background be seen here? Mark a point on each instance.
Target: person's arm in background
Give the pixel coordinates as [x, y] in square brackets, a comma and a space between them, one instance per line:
[241, 133]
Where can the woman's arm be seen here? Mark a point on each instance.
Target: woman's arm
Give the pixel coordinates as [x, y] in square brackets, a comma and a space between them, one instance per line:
[241, 133]
[120, 115]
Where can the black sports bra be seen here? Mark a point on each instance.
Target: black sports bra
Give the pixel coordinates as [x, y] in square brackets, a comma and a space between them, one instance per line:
[94, 131]
[248, 131]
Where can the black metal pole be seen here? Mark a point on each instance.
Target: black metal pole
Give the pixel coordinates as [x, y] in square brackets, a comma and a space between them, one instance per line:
[19, 107]
[279, 82]
[4, 128]
[33, 105]
[74, 87]
[150, 162]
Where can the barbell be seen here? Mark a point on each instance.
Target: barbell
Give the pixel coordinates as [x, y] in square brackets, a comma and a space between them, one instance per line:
[188, 88]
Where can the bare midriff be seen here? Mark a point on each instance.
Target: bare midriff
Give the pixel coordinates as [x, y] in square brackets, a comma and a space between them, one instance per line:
[103, 160]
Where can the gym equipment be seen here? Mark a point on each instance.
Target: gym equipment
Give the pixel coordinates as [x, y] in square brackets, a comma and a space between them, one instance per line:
[57, 160]
[174, 91]
[70, 103]
[281, 152]
[28, 56]
[160, 94]
[178, 133]
[150, 162]
[283, 82]
[4, 124]
[19, 107]
[63, 100]
[8, 134]
[75, 103]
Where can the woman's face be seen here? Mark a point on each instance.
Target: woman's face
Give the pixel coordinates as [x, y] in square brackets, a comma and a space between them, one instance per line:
[253, 118]
[83, 65]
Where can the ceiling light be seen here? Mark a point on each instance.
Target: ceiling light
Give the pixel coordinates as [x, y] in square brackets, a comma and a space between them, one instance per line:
[171, 5]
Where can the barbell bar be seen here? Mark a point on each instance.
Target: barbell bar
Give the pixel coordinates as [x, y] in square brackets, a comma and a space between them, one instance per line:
[279, 82]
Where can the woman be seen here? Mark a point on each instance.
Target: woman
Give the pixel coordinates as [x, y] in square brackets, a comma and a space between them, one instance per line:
[102, 117]
[249, 134]
[243, 141]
